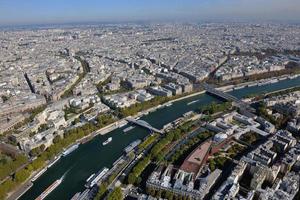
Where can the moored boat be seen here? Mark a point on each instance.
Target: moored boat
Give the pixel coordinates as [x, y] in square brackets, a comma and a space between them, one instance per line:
[40, 173]
[96, 177]
[70, 150]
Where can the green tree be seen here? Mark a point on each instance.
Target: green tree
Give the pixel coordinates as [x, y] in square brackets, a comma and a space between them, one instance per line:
[131, 178]
[21, 175]
[6, 187]
[212, 165]
[116, 194]
[57, 139]
[9, 165]
[168, 195]
[102, 191]
[150, 191]
[34, 152]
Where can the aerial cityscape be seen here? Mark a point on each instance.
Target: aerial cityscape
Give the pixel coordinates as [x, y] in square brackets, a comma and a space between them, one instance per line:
[149, 108]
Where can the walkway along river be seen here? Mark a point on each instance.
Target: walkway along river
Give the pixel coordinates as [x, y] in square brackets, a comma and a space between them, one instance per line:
[92, 156]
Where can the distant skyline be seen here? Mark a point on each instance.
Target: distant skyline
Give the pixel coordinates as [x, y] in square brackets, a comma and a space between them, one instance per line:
[19, 12]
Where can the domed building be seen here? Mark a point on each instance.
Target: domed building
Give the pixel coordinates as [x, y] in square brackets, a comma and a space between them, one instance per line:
[220, 137]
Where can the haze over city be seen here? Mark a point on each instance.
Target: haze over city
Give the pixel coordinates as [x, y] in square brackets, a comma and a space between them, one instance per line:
[14, 12]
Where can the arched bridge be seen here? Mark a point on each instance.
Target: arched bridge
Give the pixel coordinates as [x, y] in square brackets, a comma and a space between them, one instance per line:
[144, 124]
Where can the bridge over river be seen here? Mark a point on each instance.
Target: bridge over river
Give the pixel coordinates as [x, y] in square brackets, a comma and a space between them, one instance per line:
[144, 124]
[239, 103]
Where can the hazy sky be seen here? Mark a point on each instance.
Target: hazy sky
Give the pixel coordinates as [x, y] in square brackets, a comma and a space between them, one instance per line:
[60, 11]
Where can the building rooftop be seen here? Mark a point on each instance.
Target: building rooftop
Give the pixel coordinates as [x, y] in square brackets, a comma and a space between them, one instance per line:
[194, 161]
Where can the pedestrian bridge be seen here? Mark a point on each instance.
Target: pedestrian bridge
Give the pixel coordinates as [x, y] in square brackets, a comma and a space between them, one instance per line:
[144, 124]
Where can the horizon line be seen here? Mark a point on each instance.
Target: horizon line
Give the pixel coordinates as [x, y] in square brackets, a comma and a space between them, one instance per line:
[147, 21]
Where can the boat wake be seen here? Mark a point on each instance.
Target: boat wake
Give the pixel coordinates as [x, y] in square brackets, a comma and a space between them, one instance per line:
[192, 102]
[64, 175]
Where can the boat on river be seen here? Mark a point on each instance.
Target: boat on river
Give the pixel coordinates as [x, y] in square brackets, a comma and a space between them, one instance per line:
[50, 189]
[40, 173]
[128, 129]
[70, 150]
[107, 141]
[192, 102]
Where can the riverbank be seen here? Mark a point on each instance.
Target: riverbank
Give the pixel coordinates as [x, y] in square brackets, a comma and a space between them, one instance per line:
[92, 156]
[105, 130]
[122, 122]
[168, 103]
[22, 190]
[156, 117]
[283, 91]
[261, 82]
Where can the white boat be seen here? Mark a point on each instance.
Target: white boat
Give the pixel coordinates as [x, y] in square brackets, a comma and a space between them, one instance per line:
[274, 81]
[128, 129]
[239, 87]
[107, 141]
[70, 150]
[53, 162]
[192, 102]
[169, 104]
[50, 189]
[96, 177]
[38, 174]
[261, 83]
[84, 194]
[122, 124]
[90, 177]
[132, 145]
[283, 78]
[292, 77]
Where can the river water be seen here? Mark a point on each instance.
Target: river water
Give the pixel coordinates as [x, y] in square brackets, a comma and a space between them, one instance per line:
[92, 156]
